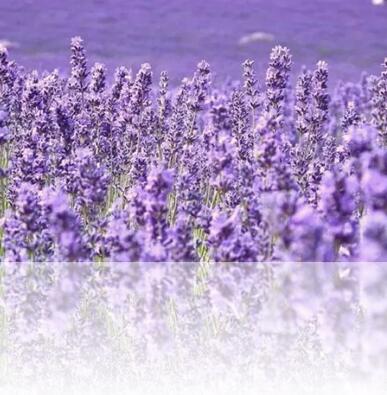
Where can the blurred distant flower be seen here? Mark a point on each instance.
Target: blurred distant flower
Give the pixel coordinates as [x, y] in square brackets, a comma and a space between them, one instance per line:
[374, 237]
[338, 205]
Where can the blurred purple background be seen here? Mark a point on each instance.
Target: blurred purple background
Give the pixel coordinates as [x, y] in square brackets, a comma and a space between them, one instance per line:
[175, 34]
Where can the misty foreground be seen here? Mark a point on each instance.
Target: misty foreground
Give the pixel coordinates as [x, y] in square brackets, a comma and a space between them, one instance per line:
[175, 328]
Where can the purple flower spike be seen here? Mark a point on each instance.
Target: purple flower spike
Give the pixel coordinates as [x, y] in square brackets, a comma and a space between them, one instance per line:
[65, 226]
[277, 77]
[79, 73]
[338, 206]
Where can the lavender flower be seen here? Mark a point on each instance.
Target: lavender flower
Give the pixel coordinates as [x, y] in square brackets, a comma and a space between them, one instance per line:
[179, 243]
[154, 201]
[351, 117]
[199, 84]
[251, 88]
[141, 89]
[88, 182]
[98, 78]
[241, 130]
[66, 228]
[374, 180]
[121, 244]
[308, 239]
[79, 73]
[379, 99]
[359, 140]
[277, 77]
[26, 235]
[338, 206]
[120, 78]
[320, 101]
[223, 164]
[374, 237]
[228, 242]
[303, 98]
[164, 108]
[174, 138]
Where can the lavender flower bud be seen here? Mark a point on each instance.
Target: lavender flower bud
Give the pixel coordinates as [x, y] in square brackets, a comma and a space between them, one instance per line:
[250, 84]
[302, 107]
[79, 72]
[277, 77]
[98, 78]
[120, 78]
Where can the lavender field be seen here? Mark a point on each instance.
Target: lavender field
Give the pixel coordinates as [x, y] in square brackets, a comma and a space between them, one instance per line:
[216, 229]
[231, 173]
[175, 35]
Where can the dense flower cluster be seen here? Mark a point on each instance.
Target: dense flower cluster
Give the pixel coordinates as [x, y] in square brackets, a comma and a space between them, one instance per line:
[240, 172]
